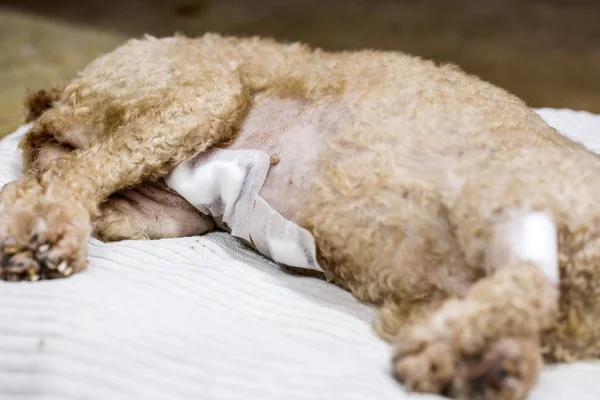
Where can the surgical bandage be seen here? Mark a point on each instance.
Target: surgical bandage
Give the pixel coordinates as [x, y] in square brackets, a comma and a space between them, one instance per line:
[226, 184]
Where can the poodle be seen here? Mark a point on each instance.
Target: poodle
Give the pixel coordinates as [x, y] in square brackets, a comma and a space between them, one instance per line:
[443, 200]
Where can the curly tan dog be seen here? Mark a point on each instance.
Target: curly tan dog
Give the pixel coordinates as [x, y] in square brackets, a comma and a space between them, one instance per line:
[416, 181]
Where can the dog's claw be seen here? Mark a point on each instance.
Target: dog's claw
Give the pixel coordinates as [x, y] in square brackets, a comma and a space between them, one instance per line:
[10, 250]
[33, 274]
[32, 264]
[62, 267]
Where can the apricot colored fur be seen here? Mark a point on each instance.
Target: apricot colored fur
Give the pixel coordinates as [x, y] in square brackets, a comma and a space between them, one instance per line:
[408, 234]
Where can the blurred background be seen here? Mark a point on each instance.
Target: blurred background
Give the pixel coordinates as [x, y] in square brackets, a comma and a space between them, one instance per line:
[545, 51]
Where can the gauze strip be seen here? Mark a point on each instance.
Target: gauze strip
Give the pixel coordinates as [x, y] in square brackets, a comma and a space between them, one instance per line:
[225, 184]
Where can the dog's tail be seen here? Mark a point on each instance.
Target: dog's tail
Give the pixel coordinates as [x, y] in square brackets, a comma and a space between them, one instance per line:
[37, 102]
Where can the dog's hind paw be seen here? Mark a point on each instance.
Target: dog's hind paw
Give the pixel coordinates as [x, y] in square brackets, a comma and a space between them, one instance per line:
[506, 369]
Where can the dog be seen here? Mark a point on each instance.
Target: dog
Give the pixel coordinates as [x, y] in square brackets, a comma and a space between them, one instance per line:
[444, 200]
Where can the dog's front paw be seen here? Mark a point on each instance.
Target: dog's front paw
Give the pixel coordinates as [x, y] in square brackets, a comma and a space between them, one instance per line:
[42, 240]
[506, 369]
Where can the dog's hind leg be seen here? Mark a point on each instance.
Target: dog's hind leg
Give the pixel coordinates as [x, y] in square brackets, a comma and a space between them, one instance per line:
[44, 226]
[149, 210]
[487, 343]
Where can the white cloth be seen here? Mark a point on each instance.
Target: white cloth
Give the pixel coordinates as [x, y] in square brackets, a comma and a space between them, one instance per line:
[207, 318]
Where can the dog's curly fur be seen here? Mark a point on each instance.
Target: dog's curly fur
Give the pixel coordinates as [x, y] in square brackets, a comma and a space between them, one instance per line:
[431, 158]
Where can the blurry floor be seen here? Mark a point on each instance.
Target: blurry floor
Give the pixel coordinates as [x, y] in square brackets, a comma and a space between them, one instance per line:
[35, 53]
[547, 52]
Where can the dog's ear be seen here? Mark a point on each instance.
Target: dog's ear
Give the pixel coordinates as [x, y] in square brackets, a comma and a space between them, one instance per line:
[36, 102]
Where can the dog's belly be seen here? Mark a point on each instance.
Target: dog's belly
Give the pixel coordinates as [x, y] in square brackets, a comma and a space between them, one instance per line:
[292, 132]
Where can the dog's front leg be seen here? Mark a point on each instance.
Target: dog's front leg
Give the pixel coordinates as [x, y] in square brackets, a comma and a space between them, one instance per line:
[44, 226]
[486, 345]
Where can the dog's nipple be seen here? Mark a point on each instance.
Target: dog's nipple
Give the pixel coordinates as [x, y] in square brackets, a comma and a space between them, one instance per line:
[274, 159]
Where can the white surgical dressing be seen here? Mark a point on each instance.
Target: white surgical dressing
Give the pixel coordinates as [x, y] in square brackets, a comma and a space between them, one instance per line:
[536, 241]
[225, 184]
[530, 237]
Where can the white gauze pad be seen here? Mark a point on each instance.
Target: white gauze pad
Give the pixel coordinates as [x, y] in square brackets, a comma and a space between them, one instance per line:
[225, 184]
[527, 237]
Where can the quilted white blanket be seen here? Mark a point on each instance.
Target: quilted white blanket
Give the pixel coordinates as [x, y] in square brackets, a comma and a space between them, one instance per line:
[206, 318]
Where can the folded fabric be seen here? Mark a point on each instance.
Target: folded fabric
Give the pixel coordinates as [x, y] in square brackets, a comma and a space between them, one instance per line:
[208, 318]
